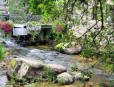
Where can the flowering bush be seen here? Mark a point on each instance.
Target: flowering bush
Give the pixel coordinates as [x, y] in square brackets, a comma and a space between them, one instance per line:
[6, 27]
[34, 29]
[60, 28]
[61, 32]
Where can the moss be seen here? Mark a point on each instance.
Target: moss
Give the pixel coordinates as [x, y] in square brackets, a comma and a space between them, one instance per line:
[61, 81]
[13, 63]
[60, 46]
[63, 45]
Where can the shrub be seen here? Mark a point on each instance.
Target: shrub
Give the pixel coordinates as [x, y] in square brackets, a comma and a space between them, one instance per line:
[34, 29]
[6, 27]
[62, 33]
[100, 48]
[59, 46]
[51, 75]
[83, 72]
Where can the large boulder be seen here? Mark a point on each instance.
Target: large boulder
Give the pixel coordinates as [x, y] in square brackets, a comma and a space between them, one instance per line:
[73, 49]
[56, 68]
[65, 78]
[69, 48]
[25, 67]
[32, 62]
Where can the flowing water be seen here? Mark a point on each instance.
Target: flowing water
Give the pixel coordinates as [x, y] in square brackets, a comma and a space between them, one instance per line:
[51, 56]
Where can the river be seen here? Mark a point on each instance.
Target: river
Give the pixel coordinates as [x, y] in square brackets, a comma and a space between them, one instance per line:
[48, 55]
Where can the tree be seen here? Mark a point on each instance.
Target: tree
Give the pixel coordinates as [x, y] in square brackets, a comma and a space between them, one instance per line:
[49, 9]
[18, 7]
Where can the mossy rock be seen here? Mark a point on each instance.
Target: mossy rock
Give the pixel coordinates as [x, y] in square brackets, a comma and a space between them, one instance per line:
[65, 78]
[69, 48]
[13, 63]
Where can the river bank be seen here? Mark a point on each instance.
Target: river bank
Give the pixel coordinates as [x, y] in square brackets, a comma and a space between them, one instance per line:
[100, 77]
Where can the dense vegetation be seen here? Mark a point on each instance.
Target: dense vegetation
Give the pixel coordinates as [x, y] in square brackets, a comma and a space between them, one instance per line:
[97, 41]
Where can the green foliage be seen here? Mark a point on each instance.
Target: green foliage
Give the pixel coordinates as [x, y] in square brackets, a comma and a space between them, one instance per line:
[16, 81]
[100, 48]
[83, 72]
[108, 66]
[60, 46]
[18, 7]
[32, 24]
[48, 75]
[13, 63]
[62, 34]
[49, 10]
[2, 12]
[51, 75]
[2, 53]
[88, 52]
[86, 73]
[34, 29]
[74, 68]
[61, 81]
[113, 81]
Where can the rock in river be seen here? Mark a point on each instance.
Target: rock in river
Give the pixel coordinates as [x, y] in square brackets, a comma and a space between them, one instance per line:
[78, 76]
[25, 67]
[69, 48]
[65, 78]
[29, 67]
[56, 68]
[73, 50]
